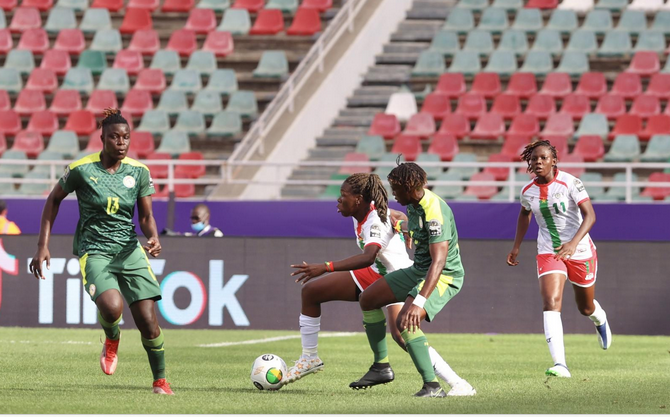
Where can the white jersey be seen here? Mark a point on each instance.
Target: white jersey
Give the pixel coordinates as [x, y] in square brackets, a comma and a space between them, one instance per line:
[392, 254]
[556, 209]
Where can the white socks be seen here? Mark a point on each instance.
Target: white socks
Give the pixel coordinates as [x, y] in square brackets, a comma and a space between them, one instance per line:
[442, 368]
[599, 316]
[553, 332]
[309, 333]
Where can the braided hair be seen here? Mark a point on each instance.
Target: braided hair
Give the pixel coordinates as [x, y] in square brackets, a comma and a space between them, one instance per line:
[370, 186]
[408, 174]
[528, 151]
[112, 117]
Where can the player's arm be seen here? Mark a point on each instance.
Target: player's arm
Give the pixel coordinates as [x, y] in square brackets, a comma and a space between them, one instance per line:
[566, 250]
[522, 224]
[49, 213]
[145, 215]
[360, 261]
[399, 222]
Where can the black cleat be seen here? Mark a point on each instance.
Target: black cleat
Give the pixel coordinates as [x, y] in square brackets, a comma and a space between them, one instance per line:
[431, 389]
[379, 373]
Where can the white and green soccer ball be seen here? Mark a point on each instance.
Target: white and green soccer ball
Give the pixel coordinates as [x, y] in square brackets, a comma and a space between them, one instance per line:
[268, 372]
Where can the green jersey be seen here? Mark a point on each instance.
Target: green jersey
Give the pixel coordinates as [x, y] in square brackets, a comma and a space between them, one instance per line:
[106, 203]
[433, 222]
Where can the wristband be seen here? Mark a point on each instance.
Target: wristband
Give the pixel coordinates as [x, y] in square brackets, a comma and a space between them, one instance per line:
[397, 227]
[419, 301]
[329, 266]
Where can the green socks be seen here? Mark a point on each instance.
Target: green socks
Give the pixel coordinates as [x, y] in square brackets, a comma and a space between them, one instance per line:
[375, 327]
[112, 331]
[417, 346]
[156, 353]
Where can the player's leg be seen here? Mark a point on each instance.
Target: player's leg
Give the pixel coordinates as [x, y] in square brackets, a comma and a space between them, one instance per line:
[552, 282]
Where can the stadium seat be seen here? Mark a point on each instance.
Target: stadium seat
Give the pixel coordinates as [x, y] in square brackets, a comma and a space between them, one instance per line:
[252, 6]
[190, 122]
[631, 22]
[58, 61]
[466, 62]
[10, 80]
[557, 85]
[101, 100]
[373, 146]
[243, 102]
[95, 61]
[137, 102]
[383, 171]
[187, 81]
[475, 5]
[421, 125]
[662, 21]
[646, 5]
[611, 106]
[204, 62]
[619, 193]
[135, 19]
[225, 124]
[514, 145]
[167, 61]
[154, 122]
[60, 18]
[659, 86]
[583, 41]
[201, 21]
[180, 190]
[151, 5]
[7, 170]
[455, 124]
[172, 102]
[306, 22]
[114, 79]
[10, 122]
[25, 18]
[8, 5]
[96, 19]
[94, 143]
[445, 42]
[627, 124]
[486, 84]
[509, 5]
[273, 64]
[490, 126]
[6, 42]
[142, 143]
[538, 63]
[50, 155]
[590, 147]
[429, 64]
[596, 192]
[235, 21]
[385, 125]
[644, 63]
[579, 6]
[471, 106]
[522, 84]
[541, 106]
[174, 143]
[355, 157]
[425, 159]
[44, 122]
[70, 41]
[111, 5]
[514, 41]
[506, 105]
[560, 142]
[525, 125]
[268, 22]
[528, 21]
[65, 102]
[158, 171]
[220, 43]
[448, 192]
[574, 63]
[593, 124]
[408, 145]
[402, 104]
[107, 40]
[451, 84]
[177, 6]
[564, 21]
[598, 21]
[548, 40]
[500, 173]
[21, 60]
[459, 20]
[493, 20]
[320, 5]
[616, 44]
[559, 124]
[35, 188]
[646, 106]
[216, 5]
[131, 61]
[482, 192]
[656, 192]
[576, 106]
[542, 4]
[29, 102]
[592, 85]
[656, 125]
[145, 41]
[183, 41]
[612, 5]
[437, 105]
[207, 102]
[479, 41]
[65, 143]
[445, 145]
[627, 85]
[285, 6]
[34, 40]
[625, 148]
[649, 40]
[43, 80]
[658, 149]
[223, 81]
[29, 141]
[190, 171]
[5, 102]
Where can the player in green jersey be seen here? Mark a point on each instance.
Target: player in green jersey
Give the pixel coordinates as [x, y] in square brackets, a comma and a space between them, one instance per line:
[425, 287]
[113, 263]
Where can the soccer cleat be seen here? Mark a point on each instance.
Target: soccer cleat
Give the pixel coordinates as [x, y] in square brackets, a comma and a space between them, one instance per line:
[461, 389]
[108, 356]
[379, 373]
[604, 335]
[303, 366]
[161, 386]
[430, 390]
[558, 370]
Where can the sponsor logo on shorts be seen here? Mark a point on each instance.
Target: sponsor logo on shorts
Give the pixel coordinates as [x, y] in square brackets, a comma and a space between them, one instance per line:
[434, 228]
[589, 277]
[375, 231]
[91, 290]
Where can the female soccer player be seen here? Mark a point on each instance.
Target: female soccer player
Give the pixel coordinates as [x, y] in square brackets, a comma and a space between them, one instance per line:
[564, 215]
[425, 286]
[362, 197]
[108, 185]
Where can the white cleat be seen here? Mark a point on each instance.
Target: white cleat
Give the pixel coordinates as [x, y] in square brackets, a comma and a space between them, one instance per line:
[461, 389]
[558, 370]
[303, 366]
[604, 335]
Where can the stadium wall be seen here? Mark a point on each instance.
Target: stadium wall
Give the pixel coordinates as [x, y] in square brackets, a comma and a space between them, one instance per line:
[245, 283]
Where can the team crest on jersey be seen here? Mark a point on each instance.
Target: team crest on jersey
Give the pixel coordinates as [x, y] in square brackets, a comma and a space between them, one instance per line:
[434, 228]
[579, 185]
[91, 290]
[129, 181]
[558, 196]
[66, 174]
[375, 231]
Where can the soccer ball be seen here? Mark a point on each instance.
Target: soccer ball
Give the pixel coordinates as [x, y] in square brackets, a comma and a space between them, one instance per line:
[268, 371]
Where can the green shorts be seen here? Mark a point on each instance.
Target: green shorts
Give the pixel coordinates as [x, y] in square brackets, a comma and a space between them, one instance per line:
[409, 281]
[127, 272]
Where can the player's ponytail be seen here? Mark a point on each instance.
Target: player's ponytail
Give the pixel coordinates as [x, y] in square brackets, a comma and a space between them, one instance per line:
[112, 117]
[370, 186]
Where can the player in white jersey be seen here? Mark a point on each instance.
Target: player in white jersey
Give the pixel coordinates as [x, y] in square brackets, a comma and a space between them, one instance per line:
[565, 215]
[364, 198]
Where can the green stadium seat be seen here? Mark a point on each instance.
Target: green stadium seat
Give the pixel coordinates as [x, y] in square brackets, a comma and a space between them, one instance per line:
[235, 21]
[448, 192]
[616, 44]
[156, 122]
[286, 6]
[662, 22]
[502, 62]
[96, 61]
[21, 60]
[477, 5]
[244, 103]
[49, 155]
[332, 191]
[625, 148]
[207, 102]
[564, 21]
[538, 63]
[528, 20]
[15, 171]
[574, 63]
[174, 143]
[65, 143]
[166, 60]
[612, 5]
[372, 145]
[650, 41]
[583, 41]
[466, 62]
[596, 192]
[514, 41]
[107, 40]
[493, 20]
[445, 42]
[464, 172]
[190, 122]
[658, 149]
[508, 5]
[202, 61]
[76, 5]
[80, 79]
[479, 41]
[10, 80]
[384, 171]
[619, 193]
[549, 41]
[598, 21]
[459, 20]
[60, 18]
[35, 188]
[223, 81]
[273, 64]
[225, 123]
[114, 79]
[432, 172]
[172, 102]
[632, 22]
[216, 5]
[95, 20]
[186, 80]
[429, 64]
[593, 124]
[3, 19]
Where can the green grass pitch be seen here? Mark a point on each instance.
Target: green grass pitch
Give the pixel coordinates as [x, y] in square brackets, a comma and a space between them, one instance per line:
[57, 371]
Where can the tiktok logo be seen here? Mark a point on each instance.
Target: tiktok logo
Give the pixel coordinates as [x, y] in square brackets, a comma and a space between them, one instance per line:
[9, 264]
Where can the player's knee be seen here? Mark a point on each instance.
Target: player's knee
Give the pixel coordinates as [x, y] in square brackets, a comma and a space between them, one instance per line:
[551, 304]
[586, 310]
[395, 333]
[366, 302]
[309, 292]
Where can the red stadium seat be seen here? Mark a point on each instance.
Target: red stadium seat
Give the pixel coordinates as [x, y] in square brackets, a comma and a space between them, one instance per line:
[10, 122]
[471, 106]
[268, 22]
[136, 19]
[71, 41]
[183, 41]
[190, 171]
[385, 125]
[576, 158]
[251, 5]
[220, 43]
[437, 105]
[557, 85]
[145, 42]
[611, 106]
[506, 105]
[482, 192]
[101, 100]
[455, 124]
[645, 63]
[131, 61]
[657, 193]
[3, 144]
[111, 5]
[94, 143]
[355, 157]
[646, 106]
[659, 86]
[590, 147]
[522, 84]
[142, 143]
[151, 80]
[541, 106]
[445, 145]
[5, 102]
[627, 85]
[201, 21]
[541, 4]
[34, 40]
[451, 84]
[65, 102]
[500, 173]
[42, 79]
[30, 142]
[6, 42]
[180, 190]
[626, 124]
[486, 84]
[45, 122]
[525, 125]
[656, 125]
[58, 61]
[407, 145]
[560, 142]
[41, 5]
[177, 6]
[137, 102]
[576, 106]
[158, 171]
[8, 5]
[592, 85]
[82, 122]
[306, 22]
[29, 102]
[320, 5]
[514, 145]
[25, 18]
[150, 5]
[559, 124]
[421, 125]
[490, 126]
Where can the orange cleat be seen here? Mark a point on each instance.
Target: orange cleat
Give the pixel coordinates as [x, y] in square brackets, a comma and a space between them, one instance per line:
[108, 357]
[161, 386]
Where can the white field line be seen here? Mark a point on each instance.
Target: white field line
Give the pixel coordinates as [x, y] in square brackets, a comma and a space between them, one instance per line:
[45, 342]
[275, 339]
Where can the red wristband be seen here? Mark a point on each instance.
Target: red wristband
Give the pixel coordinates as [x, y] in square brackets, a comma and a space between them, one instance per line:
[330, 267]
